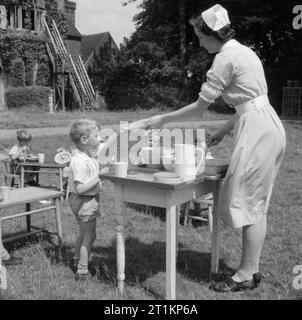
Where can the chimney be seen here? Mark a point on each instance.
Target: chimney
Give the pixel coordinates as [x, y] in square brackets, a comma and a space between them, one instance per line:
[61, 5]
[70, 8]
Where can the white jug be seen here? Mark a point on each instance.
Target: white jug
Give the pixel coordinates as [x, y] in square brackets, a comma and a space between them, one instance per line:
[185, 161]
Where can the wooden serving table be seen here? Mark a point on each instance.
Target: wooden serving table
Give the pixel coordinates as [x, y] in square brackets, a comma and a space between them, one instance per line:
[140, 188]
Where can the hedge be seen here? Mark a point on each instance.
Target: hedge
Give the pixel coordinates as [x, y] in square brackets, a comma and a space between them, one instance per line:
[27, 96]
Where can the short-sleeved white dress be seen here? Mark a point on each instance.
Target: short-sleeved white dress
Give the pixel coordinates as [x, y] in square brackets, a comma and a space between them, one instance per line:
[259, 137]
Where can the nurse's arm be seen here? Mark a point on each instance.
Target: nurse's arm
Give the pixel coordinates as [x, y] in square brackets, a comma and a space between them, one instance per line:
[191, 112]
[228, 126]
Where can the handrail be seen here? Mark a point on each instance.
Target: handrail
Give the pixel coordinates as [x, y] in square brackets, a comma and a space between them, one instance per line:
[79, 78]
[86, 74]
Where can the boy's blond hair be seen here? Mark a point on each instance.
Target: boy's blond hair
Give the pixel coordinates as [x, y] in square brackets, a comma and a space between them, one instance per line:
[23, 136]
[81, 128]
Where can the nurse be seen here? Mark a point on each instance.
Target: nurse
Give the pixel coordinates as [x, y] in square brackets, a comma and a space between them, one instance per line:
[259, 139]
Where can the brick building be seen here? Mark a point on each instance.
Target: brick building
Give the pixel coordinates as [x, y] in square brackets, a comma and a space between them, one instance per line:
[92, 48]
[97, 48]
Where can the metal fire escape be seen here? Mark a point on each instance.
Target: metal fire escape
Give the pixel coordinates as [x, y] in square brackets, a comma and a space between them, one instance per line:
[66, 68]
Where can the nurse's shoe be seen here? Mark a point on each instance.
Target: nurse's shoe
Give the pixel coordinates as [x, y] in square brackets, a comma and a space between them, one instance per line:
[222, 276]
[257, 278]
[229, 285]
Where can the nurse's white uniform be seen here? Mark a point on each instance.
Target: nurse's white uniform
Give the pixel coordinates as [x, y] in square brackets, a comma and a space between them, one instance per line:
[237, 75]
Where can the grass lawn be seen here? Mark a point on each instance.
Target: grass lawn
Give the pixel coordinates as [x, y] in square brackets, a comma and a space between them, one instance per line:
[44, 276]
[32, 118]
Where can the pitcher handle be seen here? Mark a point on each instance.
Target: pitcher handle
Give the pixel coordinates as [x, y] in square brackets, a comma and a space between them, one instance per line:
[202, 159]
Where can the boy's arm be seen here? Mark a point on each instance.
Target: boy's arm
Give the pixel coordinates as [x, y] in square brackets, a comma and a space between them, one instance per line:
[15, 154]
[84, 187]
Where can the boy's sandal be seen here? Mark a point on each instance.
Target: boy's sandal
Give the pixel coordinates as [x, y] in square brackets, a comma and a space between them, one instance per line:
[229, 285]
[81, 277]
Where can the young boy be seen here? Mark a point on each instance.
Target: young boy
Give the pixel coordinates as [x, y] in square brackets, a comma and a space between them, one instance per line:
[85, 188]
[20, 151]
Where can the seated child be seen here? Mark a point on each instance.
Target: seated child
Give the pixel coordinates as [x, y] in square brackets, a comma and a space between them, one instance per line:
[85, 186]
[19, 152]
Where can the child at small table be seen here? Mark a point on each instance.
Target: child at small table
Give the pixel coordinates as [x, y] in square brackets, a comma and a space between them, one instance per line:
[19, 152]
[85, 188]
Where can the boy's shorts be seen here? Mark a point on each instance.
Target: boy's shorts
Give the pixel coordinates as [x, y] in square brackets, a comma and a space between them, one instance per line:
[85, 208]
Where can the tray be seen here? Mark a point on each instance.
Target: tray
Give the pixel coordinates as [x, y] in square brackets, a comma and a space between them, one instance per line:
[144, 168]
[32, 159]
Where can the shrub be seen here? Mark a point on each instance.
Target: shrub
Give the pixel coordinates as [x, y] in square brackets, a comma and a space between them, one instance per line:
[27, 96]
[18, 73]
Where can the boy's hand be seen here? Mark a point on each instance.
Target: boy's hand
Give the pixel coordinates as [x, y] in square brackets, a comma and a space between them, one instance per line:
[104, 170]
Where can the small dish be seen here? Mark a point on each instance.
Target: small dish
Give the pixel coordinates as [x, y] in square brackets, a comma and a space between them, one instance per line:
[167, 177]
[32, 158]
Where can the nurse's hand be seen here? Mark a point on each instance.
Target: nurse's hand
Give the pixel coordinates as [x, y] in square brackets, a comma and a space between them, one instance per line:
[213, 140]
[155, 122]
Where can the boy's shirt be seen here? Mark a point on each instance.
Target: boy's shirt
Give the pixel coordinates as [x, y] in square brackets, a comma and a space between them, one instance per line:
[15, 149]
[84, 169]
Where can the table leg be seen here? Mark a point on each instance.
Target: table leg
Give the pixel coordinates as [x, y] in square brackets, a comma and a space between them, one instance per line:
[216, 230]
[61, 182]
[22, 177]
[3, 278]
[171, 252]
[120, 242]
[28, 218]
[176, 227]
[59, 224]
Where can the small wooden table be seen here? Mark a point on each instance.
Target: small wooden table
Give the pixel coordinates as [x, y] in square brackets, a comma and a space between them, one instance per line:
[50, 168]
[140, 188]
[27, 196]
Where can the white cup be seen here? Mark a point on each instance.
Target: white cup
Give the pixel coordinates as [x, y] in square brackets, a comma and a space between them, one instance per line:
[185, 161]
[41, 157]
[4, 193]
[120, 169]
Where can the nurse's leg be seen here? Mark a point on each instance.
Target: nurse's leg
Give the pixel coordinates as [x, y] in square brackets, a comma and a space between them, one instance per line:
[253, 237]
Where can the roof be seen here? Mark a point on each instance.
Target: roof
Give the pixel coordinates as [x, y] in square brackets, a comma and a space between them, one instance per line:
[92, 41]
[73, 31]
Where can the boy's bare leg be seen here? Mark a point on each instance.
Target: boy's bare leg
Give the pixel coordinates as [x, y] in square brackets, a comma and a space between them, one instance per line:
[78, 243]
[88, 230]
[4, 254]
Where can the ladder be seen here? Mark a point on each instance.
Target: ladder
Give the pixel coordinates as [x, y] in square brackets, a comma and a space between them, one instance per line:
[63, 63]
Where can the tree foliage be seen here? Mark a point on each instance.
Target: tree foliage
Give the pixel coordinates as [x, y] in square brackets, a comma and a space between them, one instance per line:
[164, 48]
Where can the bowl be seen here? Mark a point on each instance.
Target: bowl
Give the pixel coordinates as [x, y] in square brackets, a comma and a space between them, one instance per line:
[168, 162]
[151, 156]
[215, 166]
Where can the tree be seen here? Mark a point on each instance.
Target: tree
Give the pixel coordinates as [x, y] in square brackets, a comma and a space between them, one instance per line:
[265, 26]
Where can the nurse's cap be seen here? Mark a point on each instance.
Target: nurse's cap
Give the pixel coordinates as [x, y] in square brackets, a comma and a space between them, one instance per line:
[216, 17]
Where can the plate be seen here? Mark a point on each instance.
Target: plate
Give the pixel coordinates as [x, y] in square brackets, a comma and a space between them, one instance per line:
[62, 157]
[167, 177]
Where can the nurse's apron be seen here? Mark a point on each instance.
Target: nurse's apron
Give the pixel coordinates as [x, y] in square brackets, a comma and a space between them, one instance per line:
[260, 140]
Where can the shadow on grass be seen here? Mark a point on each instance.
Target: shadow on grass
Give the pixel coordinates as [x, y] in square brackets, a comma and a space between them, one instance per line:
[143, 261]
[12, 245]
